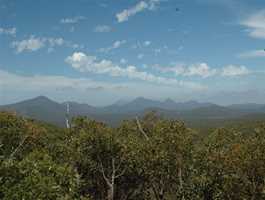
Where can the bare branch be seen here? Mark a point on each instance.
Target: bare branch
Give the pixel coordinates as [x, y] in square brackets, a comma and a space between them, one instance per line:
[118, 167]
[113, 166]
[19, 146]
[140, 128]
[113, 171]
[120, 174]
[104, 175]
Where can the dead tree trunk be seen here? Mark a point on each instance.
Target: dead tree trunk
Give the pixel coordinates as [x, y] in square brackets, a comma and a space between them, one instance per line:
[67, 116]
[181, 182]
[141, 129]
[110, 180]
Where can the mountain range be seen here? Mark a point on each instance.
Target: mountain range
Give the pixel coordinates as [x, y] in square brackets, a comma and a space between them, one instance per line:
[192, 112]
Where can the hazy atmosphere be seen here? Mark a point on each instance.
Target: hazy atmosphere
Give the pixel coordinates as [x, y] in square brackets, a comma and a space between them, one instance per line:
[100, 51]
[132, 99]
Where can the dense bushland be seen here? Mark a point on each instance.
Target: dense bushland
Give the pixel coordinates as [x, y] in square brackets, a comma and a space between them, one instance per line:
[149, 158]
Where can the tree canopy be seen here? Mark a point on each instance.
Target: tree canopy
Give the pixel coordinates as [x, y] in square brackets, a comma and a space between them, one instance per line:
[144, 158]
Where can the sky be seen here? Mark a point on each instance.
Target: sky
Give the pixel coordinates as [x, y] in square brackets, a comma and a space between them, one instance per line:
[101, 51]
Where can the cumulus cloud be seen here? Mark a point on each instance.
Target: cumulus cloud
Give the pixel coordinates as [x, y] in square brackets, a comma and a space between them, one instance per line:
[102, 29]
[117, 44]
[232, 70]
[139, 7]
[201, 69]
[8, 31]
[255, 24]
[73, 20]
[35, 43]
[87, 63]
[253, 54]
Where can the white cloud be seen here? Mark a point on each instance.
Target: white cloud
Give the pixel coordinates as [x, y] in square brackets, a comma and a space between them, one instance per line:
[35, 43]
[102, 29]
[253, 54]
[139, 7]
[87, 63]
[117, 44]
[73, 20]
[204, 70]
[31, 44]
[255, 24]
[177, 70]
[200, 69]
[140, 45]
[232, 70]
[16, 87]
[147, 43]
[8, 31]
[55, 41]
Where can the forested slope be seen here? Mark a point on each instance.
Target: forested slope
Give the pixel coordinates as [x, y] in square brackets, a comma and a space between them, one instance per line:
[147, 158]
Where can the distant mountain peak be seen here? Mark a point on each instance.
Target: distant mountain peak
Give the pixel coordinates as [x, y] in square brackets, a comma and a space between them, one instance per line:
[141, 99]
[45, 109]
[41, 98]
[168, 100]
[121, 102]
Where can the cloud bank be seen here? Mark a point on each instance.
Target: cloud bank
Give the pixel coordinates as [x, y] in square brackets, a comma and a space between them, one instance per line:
[87, 63]
[253, 54]
[204, 70]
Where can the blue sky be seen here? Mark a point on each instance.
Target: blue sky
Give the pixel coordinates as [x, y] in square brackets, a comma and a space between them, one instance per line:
[100, 51]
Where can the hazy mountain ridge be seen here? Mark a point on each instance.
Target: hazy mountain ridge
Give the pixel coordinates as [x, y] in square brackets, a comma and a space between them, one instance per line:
[44, 109]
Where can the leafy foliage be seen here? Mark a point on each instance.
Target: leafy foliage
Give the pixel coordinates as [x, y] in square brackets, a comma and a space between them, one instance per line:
[148, 158]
